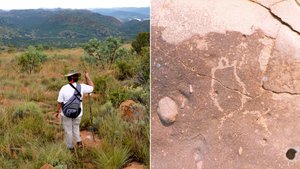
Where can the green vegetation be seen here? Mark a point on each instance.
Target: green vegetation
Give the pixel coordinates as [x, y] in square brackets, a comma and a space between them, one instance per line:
[62, 28]
[106, 53]
[32, 59]
[142, 40]
[31, 136]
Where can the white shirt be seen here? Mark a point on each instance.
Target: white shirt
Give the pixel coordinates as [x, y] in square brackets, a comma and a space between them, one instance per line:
[66, 92]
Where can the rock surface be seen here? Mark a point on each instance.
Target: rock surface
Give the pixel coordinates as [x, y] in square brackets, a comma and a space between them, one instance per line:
[135, 165]
[131, 111]
[47, 166]
[233, 69]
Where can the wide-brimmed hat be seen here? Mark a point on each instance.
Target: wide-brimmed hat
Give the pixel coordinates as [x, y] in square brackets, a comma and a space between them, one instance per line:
[73, 72]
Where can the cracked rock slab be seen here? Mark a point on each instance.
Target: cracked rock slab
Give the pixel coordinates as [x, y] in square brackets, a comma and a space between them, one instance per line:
[266, 3]
[288, 11]
[205, 16]
[283, 73]
[234, 74]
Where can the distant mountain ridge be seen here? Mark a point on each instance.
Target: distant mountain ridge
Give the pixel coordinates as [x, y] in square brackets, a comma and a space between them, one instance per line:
[64, 25]
[125, 14]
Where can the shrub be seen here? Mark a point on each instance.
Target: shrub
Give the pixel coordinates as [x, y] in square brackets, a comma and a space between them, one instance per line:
[118, 96]
[126, 70]
[31, 60]
[136, 94]
[142, 40]
[108, 52]
[104, 85]
[27, 109]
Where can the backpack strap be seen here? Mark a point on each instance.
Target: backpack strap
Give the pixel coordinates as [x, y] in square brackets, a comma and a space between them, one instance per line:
[76, 90]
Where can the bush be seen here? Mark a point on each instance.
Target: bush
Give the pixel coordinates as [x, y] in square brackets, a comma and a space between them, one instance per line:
[104, 85]
[142, 40]
[136, 94]
[28, 109]
[126, 70]
[108, 52]
[139, 95]
[31, 60]
[118, 96]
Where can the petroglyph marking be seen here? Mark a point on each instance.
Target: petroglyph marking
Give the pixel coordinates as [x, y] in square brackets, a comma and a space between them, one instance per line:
[260, 120]
[224, 63]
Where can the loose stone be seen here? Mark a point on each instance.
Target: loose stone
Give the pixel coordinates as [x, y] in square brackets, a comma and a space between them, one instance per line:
[167, 110]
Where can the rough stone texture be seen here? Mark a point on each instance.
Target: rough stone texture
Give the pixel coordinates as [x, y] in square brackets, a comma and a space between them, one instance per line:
[266, 3]
[242, 63]
[131, 111]
[167, 110]
[135, 165]
[47, 166]
[289, 12]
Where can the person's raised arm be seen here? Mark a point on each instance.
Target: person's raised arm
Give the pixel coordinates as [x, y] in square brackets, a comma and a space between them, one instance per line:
[88, 79]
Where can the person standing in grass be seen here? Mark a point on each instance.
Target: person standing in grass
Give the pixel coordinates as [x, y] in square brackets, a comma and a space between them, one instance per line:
[71, 125]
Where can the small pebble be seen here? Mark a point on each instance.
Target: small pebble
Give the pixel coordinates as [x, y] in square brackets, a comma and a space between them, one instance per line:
[240, 151]
[182, 105]
[191, 89]
[265, 79]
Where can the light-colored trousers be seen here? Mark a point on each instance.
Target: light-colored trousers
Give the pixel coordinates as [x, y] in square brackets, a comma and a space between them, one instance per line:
[71, 126]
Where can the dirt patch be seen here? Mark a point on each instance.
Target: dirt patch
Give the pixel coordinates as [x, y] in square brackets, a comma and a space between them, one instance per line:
[25, 90]
[7, 101]
[7, 88]
[56, 75]
[89, 165]
[106, 72]
[87, 140]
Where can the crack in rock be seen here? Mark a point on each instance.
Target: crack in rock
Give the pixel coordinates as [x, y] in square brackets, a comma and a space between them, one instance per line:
[276, 92]
[276, 16]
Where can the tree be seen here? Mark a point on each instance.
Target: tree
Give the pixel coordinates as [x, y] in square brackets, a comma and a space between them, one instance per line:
[31, 60]
[108, 52]
[142, 40]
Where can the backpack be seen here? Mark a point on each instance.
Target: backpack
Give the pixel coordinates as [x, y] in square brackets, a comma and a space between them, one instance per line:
[72, 107]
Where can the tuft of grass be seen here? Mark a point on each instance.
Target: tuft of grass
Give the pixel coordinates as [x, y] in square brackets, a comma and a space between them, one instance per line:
[133, 135]
[112, 157]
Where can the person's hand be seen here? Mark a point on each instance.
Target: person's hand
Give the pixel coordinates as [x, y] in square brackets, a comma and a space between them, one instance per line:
[57, 114]
[86, 75]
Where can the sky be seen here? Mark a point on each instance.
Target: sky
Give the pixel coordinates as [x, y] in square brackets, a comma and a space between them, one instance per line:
[73, 4]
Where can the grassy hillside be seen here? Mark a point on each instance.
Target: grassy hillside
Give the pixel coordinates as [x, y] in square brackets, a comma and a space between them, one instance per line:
[30, 134]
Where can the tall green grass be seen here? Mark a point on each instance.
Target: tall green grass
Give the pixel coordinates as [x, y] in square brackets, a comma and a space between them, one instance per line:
[112, 157]
[26, 140]
[131, 138]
